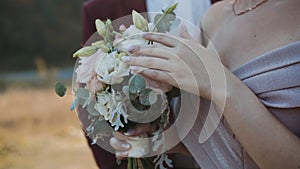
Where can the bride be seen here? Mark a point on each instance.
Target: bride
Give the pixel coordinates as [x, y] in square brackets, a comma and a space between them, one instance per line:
[257, 42]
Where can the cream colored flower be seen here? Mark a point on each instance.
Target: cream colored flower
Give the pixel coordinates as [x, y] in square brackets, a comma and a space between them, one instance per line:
[85, 70]
[85, 51]
[131, 37]
[139, 21]
[101, 45]
[110, 69]
[100, 26]
[131, 30]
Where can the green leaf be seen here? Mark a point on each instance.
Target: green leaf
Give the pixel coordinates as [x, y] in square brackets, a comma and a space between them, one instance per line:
[163, 22]
[101, 126]
[60, 89]
[82, 93]
[74, 104]
[136, 84]
[147, 97]
[138, 106]
[92, 111]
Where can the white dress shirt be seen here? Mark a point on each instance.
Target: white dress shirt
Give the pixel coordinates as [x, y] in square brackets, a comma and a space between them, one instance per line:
[190, 10]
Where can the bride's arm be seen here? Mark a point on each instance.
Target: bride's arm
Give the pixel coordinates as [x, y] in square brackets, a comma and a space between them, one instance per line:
[268, 142]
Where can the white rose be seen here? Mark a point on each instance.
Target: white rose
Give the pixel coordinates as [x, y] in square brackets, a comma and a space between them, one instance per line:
[110, 69]
[131, 30]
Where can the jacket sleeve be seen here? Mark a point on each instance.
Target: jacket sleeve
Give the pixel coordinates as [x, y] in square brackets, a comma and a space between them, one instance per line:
[103, 158]
[88, 27]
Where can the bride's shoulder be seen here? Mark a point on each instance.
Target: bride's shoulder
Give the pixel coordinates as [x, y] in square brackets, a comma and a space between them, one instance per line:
[216, 16]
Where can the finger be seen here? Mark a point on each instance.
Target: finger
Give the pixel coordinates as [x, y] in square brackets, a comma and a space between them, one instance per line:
[184, 33]
[123, 137]
[158, 85]
[157, 75]
[153, 83]
[121, 155]
[162, 38]
[146, 62]
[122, 28]
[139, 129]
[158, 51]
[140, 49]
[119, 145]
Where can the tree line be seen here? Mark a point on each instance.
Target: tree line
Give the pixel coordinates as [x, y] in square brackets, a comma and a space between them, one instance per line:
[39, 29]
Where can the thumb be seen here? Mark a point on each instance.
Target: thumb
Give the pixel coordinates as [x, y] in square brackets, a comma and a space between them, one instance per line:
[139, 129]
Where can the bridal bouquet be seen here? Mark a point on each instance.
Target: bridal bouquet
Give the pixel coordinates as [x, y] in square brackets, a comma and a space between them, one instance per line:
[115, 99]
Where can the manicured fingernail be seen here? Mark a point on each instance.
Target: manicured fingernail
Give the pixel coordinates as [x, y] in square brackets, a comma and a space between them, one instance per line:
[125, 58]
[125, 145]
[135, 68]
[122, 28]
[131, 48]
[130, 132]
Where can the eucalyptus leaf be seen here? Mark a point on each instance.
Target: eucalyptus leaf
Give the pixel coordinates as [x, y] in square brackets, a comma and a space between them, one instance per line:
[138, 106]
[163, 22]
[136, 84]
[92, 111]
[147, 97]
[82, 93]
[60, 89]
[101, 126]
[74, 104]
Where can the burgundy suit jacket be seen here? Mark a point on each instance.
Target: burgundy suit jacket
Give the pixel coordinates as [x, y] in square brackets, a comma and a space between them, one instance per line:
[107, 9]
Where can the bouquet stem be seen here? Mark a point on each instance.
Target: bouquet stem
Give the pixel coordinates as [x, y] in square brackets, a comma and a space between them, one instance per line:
[140, 163]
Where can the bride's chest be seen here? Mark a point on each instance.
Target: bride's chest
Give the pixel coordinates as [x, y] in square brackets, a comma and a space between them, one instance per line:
[240, 40]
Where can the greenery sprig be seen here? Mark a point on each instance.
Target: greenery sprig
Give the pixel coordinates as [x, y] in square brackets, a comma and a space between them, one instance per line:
[163, 22]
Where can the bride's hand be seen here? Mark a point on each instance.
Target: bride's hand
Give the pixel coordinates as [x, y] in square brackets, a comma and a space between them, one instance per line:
[120, 142]
[179, 62]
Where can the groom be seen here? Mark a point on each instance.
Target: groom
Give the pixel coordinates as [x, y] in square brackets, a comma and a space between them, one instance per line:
[114, 9]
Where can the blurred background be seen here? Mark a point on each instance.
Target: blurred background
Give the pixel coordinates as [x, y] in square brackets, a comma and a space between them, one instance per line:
[37, 129]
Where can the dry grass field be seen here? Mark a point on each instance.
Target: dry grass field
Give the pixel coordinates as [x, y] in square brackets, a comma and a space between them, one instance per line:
[37, 131]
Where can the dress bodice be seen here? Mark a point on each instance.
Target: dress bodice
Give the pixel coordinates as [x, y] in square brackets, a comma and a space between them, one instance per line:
[275, 79]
